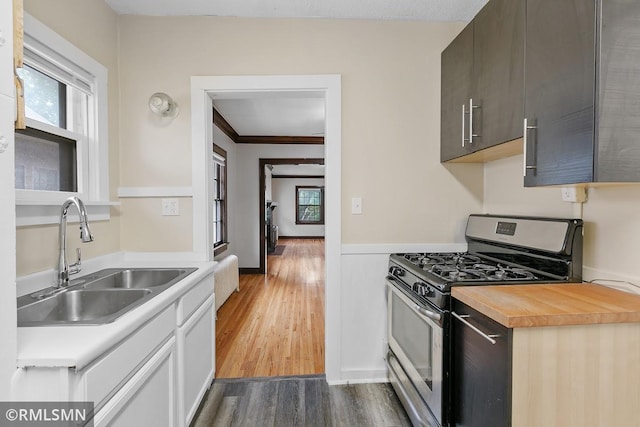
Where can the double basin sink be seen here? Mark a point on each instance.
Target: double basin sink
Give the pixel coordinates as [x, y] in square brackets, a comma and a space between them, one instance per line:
[97, 298]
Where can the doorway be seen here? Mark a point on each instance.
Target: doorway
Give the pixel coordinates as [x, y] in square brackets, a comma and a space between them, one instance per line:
[203, 88]
[262, 241]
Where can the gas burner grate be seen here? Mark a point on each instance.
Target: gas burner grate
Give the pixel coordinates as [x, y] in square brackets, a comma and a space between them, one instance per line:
[509, 273]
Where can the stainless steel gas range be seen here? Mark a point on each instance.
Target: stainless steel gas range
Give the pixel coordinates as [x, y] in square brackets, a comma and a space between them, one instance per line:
[501, 250]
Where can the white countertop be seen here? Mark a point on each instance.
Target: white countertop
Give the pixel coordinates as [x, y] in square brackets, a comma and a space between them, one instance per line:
[76, 346]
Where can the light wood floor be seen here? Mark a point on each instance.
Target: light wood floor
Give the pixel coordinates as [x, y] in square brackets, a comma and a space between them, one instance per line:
[306, 401]
[275, 325]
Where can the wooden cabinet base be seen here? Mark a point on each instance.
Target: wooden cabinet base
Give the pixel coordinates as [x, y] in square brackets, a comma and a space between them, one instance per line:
[586, 375]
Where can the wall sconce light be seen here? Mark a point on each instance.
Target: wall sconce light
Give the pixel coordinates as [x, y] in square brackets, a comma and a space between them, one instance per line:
[162, 105]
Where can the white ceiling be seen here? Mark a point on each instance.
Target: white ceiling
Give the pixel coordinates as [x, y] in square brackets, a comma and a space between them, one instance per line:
[414, 10]
[273, 113]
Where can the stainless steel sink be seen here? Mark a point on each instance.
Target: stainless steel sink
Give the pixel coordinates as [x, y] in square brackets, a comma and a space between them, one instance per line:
[97, 298]
[136, 279]
[80, 305]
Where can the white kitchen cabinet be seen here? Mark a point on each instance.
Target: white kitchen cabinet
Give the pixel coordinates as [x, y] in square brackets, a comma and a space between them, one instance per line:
[196, 348]
[154, 375]
[147, 399]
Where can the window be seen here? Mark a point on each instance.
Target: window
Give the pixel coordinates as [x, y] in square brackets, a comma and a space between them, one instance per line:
[309, 205]
[64, 149]
[219, 200]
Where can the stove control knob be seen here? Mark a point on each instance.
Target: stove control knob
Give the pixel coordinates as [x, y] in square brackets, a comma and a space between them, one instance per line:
[396, 271]
[423, 289]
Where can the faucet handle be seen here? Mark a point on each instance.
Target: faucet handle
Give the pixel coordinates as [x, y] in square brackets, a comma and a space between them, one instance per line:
[77, 266]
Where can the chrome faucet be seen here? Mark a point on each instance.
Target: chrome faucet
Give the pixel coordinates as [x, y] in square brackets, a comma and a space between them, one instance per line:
[63, 269]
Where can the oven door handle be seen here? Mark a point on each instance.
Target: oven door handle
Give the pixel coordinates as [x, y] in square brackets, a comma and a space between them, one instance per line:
[462, 318]
[427, 313]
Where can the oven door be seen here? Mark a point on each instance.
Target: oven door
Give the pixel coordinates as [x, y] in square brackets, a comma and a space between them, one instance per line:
[415, 336]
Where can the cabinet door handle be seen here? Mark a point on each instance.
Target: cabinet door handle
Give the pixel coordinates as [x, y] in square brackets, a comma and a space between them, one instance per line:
[488, 337]
[464, 113]
[525, 163]
[471, 108]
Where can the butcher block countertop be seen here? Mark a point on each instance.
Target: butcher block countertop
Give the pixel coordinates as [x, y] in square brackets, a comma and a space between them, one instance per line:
[525, 306]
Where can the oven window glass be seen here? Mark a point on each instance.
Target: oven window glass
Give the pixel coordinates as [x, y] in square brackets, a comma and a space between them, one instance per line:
[414, 336]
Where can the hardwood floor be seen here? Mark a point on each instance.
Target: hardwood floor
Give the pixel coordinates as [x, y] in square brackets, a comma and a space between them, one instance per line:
[275, 325]
[306, 401]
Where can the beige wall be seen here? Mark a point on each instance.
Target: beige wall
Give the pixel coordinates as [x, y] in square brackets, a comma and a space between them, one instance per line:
[91, 26]
[611, 215]
[390, 139]
[390, 111]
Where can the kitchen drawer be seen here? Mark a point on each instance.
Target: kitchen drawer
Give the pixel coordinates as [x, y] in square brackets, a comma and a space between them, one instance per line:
[103, 378]
[190, 301]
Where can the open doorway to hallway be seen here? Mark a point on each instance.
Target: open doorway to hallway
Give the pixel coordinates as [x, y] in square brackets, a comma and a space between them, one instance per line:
[206, 89]
[275, 325]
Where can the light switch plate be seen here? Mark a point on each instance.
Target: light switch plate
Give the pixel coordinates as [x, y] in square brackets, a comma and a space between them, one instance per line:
[170, 207]
[356, 205]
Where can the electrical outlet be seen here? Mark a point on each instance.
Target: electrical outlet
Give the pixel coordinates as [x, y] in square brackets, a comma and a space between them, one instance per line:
[170, 207]
[574, 194]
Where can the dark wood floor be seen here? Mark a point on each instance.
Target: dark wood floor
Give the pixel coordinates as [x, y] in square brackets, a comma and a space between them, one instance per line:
[299, 401]
[275, 325]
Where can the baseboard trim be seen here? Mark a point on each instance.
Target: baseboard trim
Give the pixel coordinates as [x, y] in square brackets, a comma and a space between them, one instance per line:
[243, 270]
[277, 378]
[361, 376]
[302, 237]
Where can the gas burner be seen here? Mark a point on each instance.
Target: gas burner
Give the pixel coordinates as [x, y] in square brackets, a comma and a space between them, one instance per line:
[468, 274]
[432, 259]
[457, 273]
[443, 270]
[485, 267]
[509, 273]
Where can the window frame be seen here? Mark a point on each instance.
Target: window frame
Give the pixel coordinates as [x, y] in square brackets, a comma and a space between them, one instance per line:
[221, 154]
[35, 206]
[297, 200]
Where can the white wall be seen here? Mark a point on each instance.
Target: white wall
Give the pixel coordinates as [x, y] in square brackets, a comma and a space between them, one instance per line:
[284, 192]
[7, 210]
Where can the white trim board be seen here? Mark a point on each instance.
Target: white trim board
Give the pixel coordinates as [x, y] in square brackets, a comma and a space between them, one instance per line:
[125, 192]
[37, 214]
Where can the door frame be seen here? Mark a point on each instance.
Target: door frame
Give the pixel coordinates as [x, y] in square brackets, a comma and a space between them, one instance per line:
[202, 87]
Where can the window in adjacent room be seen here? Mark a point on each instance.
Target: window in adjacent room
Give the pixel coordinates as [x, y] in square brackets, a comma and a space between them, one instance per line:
[309, 205]
[63, 150]
[219, 200]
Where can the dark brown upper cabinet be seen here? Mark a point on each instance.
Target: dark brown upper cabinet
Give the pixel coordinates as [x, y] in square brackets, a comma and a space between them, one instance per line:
[582, 92]
[482, 84]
